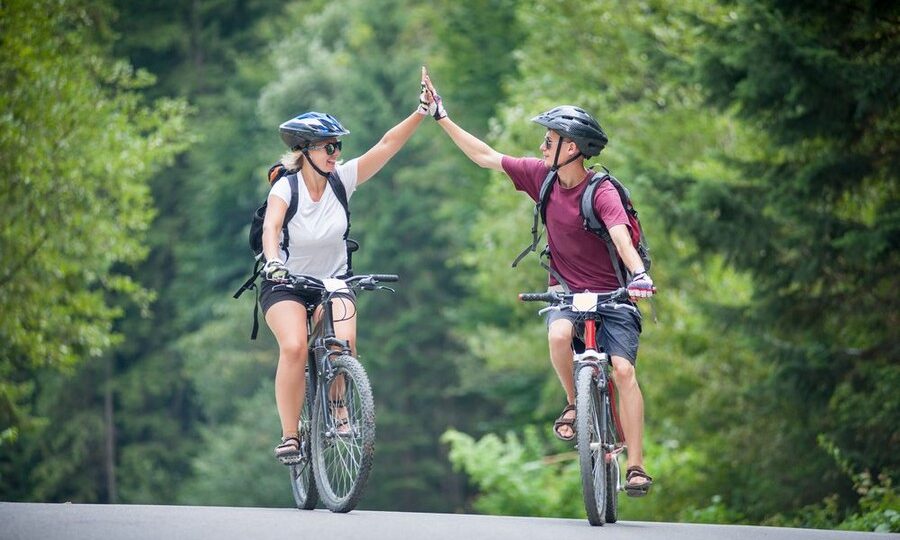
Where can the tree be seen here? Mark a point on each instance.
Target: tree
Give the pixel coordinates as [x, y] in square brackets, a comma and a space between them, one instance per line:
[78, 144]
[813, 215]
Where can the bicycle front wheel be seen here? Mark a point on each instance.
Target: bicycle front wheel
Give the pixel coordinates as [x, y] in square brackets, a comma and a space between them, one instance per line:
[303, 483]
[613, 473]
[591, 453]
[343, 435]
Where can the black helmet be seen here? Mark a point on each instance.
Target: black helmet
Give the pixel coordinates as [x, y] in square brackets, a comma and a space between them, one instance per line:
[576, 124]
[310, 127]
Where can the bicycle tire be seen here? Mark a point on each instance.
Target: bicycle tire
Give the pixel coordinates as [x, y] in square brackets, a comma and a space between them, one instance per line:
[613, 471]
[303, 484]
[590, 451]
[343, 462]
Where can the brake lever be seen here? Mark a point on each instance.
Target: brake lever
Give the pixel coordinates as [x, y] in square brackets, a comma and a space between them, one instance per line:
[383, 288]
[548, 309]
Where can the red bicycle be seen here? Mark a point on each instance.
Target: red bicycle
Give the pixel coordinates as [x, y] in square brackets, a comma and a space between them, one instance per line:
[599, 436]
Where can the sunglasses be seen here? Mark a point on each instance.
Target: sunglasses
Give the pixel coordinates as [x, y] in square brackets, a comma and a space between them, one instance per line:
[330, 148]
[548, 144]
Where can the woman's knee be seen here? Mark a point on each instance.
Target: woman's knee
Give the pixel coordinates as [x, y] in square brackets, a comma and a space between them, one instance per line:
[293, 350]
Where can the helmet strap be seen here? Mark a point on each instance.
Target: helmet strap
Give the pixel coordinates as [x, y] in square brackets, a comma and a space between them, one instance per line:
[313, 165]
[570, 160]
[556, 166]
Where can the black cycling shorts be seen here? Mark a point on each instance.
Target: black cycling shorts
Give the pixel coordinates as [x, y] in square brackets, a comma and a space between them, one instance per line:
[618, 330]
[270, 293]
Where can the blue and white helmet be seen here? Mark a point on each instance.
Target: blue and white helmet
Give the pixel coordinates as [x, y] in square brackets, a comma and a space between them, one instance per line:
[310, 127]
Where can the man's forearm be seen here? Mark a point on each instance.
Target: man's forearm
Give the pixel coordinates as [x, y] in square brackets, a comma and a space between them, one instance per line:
[473, 147]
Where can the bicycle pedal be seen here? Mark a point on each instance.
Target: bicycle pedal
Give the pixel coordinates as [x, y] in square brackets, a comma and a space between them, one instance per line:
[291, 459]
[335, 434]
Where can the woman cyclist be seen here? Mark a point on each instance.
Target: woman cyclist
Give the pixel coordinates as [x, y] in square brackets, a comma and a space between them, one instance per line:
[317, 248]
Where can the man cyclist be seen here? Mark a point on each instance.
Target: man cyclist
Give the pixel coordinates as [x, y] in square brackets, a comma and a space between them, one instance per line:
[578, 257]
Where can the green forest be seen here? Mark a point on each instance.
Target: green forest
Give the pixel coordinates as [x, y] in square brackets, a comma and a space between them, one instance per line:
[760, 140]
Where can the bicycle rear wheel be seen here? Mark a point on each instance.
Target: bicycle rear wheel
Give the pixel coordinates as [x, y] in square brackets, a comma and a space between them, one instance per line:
[303, 483]
[343, 455]
[588, 422]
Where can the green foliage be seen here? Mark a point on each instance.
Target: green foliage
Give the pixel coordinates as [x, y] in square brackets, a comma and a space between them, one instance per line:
[77, 146]
[878, 504]
[235, 466]
[514, 476]
[818, 198]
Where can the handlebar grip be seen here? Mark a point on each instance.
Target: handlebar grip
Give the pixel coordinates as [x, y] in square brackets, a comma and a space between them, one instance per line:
[538, 297]
[385, 277]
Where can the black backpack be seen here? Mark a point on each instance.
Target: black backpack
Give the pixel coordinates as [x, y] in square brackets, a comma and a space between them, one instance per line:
[276, 172]
[592, 222]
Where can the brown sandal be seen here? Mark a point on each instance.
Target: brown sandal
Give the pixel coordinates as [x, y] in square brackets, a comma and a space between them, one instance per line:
[563, 421]
[637, 490]
[288, 452]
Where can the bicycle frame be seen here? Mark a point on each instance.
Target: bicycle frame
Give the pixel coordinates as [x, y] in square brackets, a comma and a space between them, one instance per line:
[598, 360]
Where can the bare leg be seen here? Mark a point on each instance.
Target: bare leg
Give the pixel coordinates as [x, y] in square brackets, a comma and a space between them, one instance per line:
[559, 337]
[345, 321]
[631, 412]
[288, 322]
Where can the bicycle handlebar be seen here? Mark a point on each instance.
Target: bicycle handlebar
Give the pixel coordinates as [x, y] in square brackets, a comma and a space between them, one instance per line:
[539, 297]
[566, 299]
[562, 301]
[385, 277]
[361, 280]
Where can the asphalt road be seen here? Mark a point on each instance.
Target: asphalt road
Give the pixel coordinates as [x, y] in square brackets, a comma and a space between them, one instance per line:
[27, 521]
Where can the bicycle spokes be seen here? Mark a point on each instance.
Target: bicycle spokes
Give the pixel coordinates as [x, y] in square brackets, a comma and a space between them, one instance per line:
[344, 435]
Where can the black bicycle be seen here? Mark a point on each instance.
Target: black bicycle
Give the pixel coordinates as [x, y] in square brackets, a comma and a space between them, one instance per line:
[598, 432]
[337, 424]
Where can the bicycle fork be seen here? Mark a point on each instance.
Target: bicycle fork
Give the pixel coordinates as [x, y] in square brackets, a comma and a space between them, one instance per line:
[331, 385]
[598, 362]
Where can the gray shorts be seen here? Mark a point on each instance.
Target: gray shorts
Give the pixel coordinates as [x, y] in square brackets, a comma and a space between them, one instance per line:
[617, 331]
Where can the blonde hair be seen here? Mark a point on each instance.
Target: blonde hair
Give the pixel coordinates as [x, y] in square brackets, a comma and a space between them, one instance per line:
[292, 161]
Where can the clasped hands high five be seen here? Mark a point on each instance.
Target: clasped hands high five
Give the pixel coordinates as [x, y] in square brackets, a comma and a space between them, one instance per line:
[430, 102]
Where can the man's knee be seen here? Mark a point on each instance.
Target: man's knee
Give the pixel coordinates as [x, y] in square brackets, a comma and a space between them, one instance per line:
[560, 334]
[623, 371]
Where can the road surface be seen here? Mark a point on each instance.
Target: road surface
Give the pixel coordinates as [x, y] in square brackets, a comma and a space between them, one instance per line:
[34, 521]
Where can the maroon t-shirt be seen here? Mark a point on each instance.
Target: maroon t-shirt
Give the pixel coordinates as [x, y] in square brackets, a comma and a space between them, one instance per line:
[579, 256]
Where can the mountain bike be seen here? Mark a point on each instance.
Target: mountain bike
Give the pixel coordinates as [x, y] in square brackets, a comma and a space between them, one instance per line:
[337, 424]
[598, 432]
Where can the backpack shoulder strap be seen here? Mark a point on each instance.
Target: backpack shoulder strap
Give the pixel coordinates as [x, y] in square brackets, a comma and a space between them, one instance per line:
[341, 193]
[544, 195]
[594, 224]
[588, 214]
[540, 212]
[293, 181]
[289, 214]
